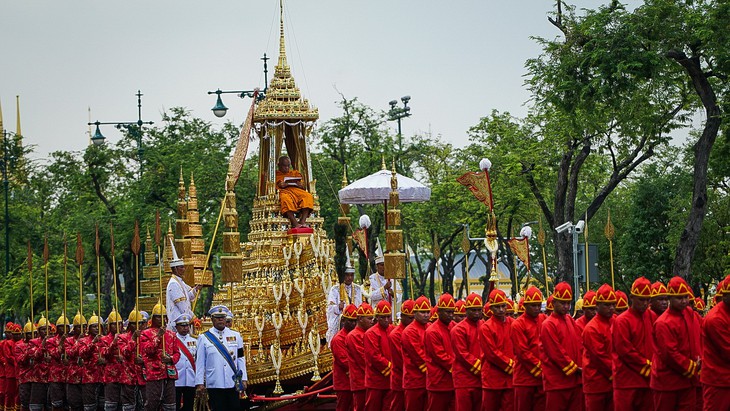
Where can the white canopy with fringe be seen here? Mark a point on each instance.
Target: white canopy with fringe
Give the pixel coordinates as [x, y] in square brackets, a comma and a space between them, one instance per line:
[375, 188]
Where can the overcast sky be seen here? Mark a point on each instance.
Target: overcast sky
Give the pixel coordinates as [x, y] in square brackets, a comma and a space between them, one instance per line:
[457, 60]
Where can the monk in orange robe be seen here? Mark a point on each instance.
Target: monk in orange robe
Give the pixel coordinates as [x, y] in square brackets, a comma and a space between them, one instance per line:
[294, 198]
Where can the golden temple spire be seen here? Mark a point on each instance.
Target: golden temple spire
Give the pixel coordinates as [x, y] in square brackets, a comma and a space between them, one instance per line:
[282, 48]
[17, 105]
[344, 175]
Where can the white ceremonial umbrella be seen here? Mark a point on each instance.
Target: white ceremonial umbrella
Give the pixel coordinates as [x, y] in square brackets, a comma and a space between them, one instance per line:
[375, 189]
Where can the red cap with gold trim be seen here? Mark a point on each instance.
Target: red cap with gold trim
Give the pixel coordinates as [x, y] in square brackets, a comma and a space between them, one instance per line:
[446, 302]
[699, 304]
[725, 288]
[533, 295]
[383, 309]
[434, 314]
[350, 312]
[407, 307]
[487, 310]
[622, 300]
[497, 297]
[589, 299]
[605, 294]
[473, 300]
[658, 289]
[564, 292]
[521, 306]
[365, 310]
[678, 287]
[460, 307]
[510, 306]
[641, 287]
[549, 303]
[422, 304]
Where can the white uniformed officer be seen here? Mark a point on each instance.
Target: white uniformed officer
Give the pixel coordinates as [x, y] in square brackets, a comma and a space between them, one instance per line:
[185, 383]
[212, 367]
[179, 295]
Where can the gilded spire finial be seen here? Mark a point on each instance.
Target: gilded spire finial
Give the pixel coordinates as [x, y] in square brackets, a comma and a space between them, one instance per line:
[382, 162]
[282, 47]
[1, 117]
[344, 175]
[181, 186]
[17, 104]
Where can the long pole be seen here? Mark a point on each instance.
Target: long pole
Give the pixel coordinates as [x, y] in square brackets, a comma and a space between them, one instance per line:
[576, 283]
[136, 243]
[588, 272]
[46, 254]
[97, 245]
[158, 236]
[80, 262]
[65, 277]
[6, 186]
[30, 275]
[114, 268]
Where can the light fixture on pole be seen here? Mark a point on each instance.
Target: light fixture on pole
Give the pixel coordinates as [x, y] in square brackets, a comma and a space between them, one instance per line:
[397, 114]
[220, 109]
[575, 230]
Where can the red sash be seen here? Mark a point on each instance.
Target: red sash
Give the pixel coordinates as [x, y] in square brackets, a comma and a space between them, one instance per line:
[184, 349]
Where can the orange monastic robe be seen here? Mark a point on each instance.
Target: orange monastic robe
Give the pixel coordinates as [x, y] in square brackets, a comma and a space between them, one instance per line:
[293, 198]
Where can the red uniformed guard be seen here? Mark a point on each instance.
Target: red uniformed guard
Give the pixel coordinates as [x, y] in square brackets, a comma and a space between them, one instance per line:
[340, 367]
[57, 369]
[131, 372]
[159, 360]
[560, 351]
[378, 359]
[496, 338]
[75, 365]
[659, 300]
[115, 373]
[527, 376]
[589, 309]
[414, 357]
[486, 311]
[41, 362]
[356, 354]
[11, 384]
[715, 375]
[25, 366]
[460, 311]
[676, 361]
[92, 369]
[440, 356]
[633, 348]
[3, 362]
[434, 315]
[622, 302]
[468, 356]
[597, 353]
[396, 350]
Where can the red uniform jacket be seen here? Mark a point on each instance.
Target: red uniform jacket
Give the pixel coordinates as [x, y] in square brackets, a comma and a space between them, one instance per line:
[355, 342]
[467, 354]
[582, 322]
[88, 351]
[131, 372]
[597, 356]
[150, 346]
[414, 356]
[9, 353]
[560, 352]
[633, 348]
[340, 367]
[439, 357]
[716, 350]
[526, 345]
[677, 338]
[111, 350]
[378, 364]
[23, 361]
[499, 362]
[56, 369]
[40, 361]
[3, 361]
[395, 339]
[75, 364]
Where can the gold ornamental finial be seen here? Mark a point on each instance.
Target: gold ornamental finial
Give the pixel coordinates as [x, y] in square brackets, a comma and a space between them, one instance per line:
[17, 105]
[1, 117]
[344, 175]
[382, 162]
[282, 47]
[181, 186]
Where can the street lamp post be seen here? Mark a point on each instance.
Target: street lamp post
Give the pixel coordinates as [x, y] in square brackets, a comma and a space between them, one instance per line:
[575, 230]
[6, 187]
[396, 114]
[133, 127]
[220, 109]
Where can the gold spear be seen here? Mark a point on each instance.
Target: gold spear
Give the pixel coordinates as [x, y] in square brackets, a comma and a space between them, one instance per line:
[65, 275]
[80, 262]
[30, 274]
[466, 245]
[436, 256]
[609, 231]
[158, 237]
[97, 244]
[588, 273]
[136, 242]
[541, 240]
[114, 267]
[45, 261]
